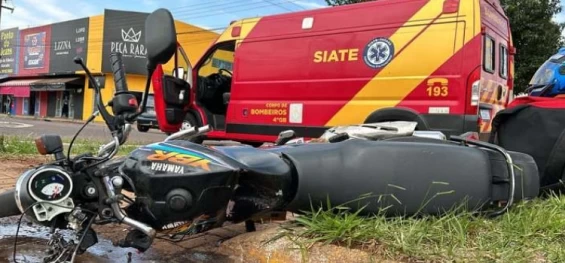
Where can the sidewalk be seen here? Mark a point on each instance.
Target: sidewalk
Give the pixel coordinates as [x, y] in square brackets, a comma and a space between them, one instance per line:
[51, 119]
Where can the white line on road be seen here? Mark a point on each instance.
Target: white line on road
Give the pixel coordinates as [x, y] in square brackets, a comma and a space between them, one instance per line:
[14, 125]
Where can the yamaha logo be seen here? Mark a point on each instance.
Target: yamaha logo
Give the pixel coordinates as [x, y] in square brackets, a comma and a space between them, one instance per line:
[378, 53]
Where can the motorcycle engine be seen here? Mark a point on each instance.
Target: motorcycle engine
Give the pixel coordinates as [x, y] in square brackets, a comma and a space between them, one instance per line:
[178, 181]
[46, 190]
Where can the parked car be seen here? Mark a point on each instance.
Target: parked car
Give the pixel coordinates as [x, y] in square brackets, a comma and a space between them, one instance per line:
[148, 119]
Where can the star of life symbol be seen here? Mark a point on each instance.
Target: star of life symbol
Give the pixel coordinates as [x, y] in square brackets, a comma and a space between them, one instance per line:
[131, 35]
[378, 53]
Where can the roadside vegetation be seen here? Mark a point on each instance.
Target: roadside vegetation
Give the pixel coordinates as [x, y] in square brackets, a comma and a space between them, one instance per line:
[25, 145]
[530, 232]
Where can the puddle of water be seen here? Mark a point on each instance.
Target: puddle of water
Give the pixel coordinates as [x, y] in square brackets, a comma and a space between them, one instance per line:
[32, 243]
[32, 249]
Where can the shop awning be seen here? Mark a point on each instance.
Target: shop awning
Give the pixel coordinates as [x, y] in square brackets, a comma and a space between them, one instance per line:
[17, 88]
[56, 84]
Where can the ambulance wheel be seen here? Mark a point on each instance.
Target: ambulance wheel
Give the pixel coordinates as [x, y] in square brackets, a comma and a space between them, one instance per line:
[397, 114]
[189, 122]
[254, 144]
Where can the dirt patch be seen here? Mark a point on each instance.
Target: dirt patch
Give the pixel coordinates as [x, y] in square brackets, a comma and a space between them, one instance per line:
[12, 167]
[262, 247]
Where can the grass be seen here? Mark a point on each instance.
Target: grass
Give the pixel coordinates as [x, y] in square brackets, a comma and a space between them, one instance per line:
[22, 145]
[531, 231]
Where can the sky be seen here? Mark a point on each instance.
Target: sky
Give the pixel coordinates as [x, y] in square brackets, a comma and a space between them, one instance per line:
[209, 14]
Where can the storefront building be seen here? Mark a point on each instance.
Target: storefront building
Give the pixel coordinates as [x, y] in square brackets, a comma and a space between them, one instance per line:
[39, 78]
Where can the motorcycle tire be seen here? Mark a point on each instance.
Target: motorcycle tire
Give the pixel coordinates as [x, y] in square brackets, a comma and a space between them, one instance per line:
[398, 178]
[526, 171]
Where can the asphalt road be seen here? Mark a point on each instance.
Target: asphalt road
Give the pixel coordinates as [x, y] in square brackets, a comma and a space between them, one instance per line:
[94, 131]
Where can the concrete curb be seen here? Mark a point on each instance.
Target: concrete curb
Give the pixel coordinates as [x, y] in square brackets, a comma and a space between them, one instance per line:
[20, 117]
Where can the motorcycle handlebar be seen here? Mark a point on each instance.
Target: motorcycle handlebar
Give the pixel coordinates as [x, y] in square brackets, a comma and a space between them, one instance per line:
[111, 146]
[119, 72]
[8, 204]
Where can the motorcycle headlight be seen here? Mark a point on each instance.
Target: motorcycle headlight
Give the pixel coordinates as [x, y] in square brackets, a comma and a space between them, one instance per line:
[47, 189]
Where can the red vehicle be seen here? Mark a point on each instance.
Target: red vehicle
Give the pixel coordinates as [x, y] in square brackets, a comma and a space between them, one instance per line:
[447, 64]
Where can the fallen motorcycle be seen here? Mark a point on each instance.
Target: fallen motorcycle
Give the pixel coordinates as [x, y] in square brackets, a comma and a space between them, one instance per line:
[179, 187]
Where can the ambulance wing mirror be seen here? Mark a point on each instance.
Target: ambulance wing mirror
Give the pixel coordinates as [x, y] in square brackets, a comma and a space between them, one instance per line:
[160, 37]
[512, 50]
[179, 73]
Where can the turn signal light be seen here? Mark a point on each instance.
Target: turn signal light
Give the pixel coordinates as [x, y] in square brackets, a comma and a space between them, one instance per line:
[40, 146]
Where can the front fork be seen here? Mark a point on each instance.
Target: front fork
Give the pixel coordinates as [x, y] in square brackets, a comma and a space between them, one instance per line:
[143, 235]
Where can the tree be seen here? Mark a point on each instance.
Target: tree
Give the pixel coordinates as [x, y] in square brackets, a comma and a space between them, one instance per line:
[535, 35]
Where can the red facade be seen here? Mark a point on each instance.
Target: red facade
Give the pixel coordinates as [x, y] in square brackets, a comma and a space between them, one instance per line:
[34, 50]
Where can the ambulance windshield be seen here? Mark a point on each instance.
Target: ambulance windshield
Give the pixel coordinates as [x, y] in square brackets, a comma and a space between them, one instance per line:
[220, 58]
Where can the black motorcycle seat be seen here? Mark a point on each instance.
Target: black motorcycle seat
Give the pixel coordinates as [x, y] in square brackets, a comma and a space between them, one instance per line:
[257, 160]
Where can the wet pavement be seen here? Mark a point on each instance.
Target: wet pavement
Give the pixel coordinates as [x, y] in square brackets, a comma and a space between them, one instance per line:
[32, 245]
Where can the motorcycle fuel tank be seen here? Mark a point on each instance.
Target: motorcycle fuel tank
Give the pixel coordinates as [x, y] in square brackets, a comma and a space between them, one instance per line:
[178, 181]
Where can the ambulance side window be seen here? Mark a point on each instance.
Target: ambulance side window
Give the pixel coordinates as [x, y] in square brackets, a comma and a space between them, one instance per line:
[503, 61]
[184, 68]
[489, 54]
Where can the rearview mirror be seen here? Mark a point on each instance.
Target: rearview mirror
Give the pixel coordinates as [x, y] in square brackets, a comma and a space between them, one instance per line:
[161, 37]
[179, 73]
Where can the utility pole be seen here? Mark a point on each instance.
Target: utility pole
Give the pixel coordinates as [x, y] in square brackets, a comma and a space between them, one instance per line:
[2, 6]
